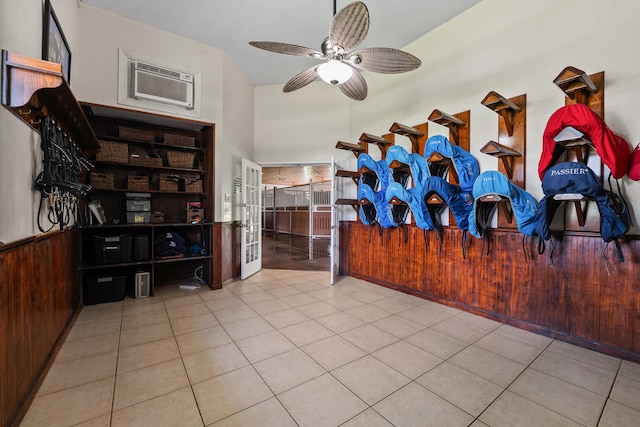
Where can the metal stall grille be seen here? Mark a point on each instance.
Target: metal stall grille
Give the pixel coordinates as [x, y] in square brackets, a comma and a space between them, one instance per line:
[303, 210]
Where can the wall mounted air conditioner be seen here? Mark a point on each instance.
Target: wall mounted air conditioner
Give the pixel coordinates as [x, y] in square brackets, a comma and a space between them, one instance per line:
[157, 84]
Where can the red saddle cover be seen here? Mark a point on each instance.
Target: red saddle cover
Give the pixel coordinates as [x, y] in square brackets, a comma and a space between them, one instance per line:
[613, 149]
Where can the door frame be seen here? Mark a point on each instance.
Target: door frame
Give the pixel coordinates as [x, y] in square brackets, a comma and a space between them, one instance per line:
[329, 162]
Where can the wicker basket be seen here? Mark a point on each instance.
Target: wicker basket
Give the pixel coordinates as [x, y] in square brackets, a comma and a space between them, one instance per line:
[141, 159]
[193, 186]
[138, 183]
[102, 181]
[180, 159]
[182, 140]
[115, 152]
[167, 184]
[157, 217]
[136, 134]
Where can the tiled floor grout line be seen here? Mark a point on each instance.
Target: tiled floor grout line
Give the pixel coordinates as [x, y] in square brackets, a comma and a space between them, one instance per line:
[608, 397]
[371, 303]
[514, 380]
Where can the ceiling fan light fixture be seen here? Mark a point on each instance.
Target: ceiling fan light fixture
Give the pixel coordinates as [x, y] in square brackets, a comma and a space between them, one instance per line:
[335, 72]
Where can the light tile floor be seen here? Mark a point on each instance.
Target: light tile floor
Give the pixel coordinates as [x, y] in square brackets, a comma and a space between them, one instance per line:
[284, 348]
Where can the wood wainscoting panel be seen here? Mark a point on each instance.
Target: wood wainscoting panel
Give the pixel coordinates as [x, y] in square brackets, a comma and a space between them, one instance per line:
[575, 300]
[39, 297]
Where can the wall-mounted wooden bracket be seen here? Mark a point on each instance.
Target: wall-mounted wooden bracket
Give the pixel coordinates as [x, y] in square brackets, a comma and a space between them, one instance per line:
[355, 176]
[354, 203]
[395, 201]
[505, 154]
[576, 84]
[417, 135]
[397, 165]
[572, 139]
[506, 108]
[435, 199]
[382, 143]
[580, 204]
[580, 88]
[512, 138]
[503, 202]
[356, 149]
[438, 158]
[458, 125]
[33, 88]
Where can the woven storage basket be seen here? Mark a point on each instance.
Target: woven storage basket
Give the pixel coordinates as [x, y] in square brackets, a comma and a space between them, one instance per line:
[136, 134]
[167, 184]
[193, 186]
[183, 140]
[138, 159]
[180, 159]
[102, 180]
[116, 152]
[138, 183]
[157, 217]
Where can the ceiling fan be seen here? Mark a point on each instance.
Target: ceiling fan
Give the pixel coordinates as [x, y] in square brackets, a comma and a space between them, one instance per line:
[341, 63]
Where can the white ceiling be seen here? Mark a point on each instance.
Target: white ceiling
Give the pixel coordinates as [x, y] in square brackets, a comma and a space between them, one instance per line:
[230, 25]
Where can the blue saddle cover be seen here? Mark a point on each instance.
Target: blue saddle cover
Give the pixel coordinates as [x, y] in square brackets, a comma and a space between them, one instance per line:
[376, 210]
[417, 166]
[523, 204]
[465, 165]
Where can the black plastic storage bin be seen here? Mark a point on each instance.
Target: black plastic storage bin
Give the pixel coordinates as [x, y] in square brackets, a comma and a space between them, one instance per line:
[112, 249]
[141, 247]
[98, 290]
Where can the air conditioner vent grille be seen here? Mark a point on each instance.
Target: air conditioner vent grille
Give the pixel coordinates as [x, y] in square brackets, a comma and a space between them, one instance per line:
[175, 90]
[158, 70]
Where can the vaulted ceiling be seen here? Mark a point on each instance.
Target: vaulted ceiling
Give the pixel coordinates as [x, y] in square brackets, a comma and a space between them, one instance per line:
[231, 25]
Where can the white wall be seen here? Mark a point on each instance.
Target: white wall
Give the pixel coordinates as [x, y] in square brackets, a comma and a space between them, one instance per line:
[235, 141]
[20, 154]
[513, 47]
[299, 126]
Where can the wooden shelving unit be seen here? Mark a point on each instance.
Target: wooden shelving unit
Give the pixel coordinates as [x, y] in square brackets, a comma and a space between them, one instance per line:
[109, 124]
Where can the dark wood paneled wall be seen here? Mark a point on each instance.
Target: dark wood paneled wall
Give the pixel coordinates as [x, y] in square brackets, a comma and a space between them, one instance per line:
[226, 253]
[39, 296]
[576, 300]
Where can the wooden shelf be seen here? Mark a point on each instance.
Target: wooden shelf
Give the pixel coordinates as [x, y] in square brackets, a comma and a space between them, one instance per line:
[502, 201]
[572, 138]
[33, 89]
[505, 154]
[126, 190]
[382, 143]
[150, 168]
[506, 108]
[578, 200]
[149, 143]
[356, 149]
[417, 135]
[435, 199]
[355, 176]
[458, 125]
[143, 263]
[575, 84]
[354, 203]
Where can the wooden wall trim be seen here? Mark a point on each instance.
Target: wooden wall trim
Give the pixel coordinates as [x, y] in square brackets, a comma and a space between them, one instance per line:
[575, 300]
[226, 252]
[39, 297]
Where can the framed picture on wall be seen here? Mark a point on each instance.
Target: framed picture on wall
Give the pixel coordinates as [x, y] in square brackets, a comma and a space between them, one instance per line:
[54, 45]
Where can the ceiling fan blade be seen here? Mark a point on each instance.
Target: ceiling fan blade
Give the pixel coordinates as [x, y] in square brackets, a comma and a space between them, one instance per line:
[301, 79]
[287, 49]
[355, 87]
[350, 26]
[383, 60]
